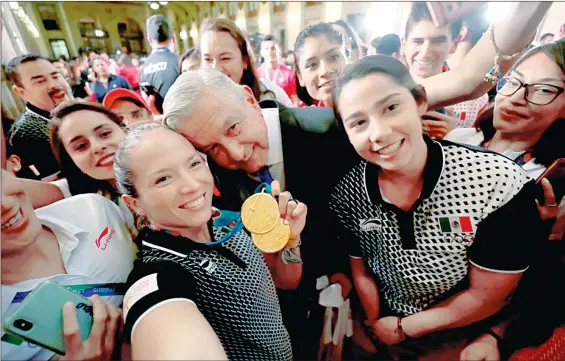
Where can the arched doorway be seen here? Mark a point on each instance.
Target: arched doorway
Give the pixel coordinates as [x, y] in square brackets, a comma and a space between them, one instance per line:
[131, 31]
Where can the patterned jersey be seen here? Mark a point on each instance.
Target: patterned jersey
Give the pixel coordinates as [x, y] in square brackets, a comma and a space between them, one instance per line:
[229, 281]
[469, 212]
[29, 140]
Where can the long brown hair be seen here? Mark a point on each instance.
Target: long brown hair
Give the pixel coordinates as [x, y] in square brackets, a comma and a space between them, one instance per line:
[79, 183]
[249, 77]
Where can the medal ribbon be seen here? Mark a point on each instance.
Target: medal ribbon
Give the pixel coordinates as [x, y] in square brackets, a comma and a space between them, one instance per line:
[264, 176]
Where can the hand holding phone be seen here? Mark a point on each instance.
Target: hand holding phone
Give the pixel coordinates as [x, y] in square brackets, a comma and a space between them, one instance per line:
[100, 343]
[64, 322]
[553, 192]
[149, 91]
[437, 124]
[551, 197]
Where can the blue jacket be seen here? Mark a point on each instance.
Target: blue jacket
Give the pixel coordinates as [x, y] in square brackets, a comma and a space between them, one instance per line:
[114, 82]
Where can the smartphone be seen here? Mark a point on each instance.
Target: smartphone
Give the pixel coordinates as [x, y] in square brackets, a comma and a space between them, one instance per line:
[555, 174]
[39, 318]
[448, 12]
[150, 90]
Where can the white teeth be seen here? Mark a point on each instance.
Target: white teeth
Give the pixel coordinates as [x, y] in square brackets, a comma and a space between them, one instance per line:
[388, 149]
[12, 221]
[195, 203]
[427, 63]
[107, 161]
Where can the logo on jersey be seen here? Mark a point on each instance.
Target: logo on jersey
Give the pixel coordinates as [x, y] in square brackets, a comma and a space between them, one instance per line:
[208, 266]
[154, 68]
[103, 243]
[370, 224]
[459, 229]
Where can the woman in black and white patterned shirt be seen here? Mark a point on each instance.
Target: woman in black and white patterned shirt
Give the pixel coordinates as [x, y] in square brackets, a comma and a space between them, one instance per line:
[191, 252]
[431, 222]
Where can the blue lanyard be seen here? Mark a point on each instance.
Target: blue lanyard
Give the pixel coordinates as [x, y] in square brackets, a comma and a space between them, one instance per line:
[87, 290]
[264, 176]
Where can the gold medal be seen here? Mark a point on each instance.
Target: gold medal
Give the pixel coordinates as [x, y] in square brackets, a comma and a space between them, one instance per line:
[273, 241]
[260, 213]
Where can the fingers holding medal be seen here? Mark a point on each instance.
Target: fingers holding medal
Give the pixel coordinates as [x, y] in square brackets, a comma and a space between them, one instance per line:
[273, 219]
[291, 210]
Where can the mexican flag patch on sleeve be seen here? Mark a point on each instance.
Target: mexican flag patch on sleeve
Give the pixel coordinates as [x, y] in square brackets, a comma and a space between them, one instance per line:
[458, 224]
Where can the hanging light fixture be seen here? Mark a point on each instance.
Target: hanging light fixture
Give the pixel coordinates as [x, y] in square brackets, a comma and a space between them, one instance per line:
[163, 2]
[154, 6]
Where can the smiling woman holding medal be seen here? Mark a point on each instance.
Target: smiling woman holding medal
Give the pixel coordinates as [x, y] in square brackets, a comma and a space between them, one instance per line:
[433, 223]
[193, 252]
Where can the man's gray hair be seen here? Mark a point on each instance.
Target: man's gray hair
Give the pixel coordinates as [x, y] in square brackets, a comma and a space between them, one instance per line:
[183, 96]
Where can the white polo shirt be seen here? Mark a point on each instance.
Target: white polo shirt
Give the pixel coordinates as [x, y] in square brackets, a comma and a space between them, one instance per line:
[64, 188]
[98, 254]
[472, 136]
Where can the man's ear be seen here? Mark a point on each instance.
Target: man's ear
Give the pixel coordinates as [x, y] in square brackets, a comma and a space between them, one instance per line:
[18, 90]
[250, 98]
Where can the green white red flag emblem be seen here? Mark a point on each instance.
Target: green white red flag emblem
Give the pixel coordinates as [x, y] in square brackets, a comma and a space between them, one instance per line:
[460, 224]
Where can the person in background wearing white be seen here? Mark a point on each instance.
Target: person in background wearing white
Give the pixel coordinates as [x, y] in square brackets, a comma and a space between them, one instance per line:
[224, 46]
[80, 243]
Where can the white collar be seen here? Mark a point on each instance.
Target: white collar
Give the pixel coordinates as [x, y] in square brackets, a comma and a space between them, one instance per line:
[67, 233]
[275, 154]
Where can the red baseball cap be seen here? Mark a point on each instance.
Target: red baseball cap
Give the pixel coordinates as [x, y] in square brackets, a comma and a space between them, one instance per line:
[121, 93]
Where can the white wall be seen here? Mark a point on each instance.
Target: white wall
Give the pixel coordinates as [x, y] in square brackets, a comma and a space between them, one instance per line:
[554, 18]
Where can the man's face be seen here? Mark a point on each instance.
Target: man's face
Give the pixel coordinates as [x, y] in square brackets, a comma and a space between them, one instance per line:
[100, 66]
[129, 112]
[232, 132]
[42, 84]
[426, 48]
[270, 52]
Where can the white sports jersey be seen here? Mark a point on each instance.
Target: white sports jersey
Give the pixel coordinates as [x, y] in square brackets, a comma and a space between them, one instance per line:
[64, 187]
[472, 136]
[98, 254]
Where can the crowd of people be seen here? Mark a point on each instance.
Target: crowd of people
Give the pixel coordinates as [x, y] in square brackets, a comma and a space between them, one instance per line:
[411, 175]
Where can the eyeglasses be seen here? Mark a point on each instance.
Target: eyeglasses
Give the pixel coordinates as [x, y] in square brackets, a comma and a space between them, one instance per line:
[536, 93]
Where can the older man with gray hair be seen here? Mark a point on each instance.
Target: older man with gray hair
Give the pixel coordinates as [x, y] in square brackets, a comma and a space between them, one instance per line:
[249, 143]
